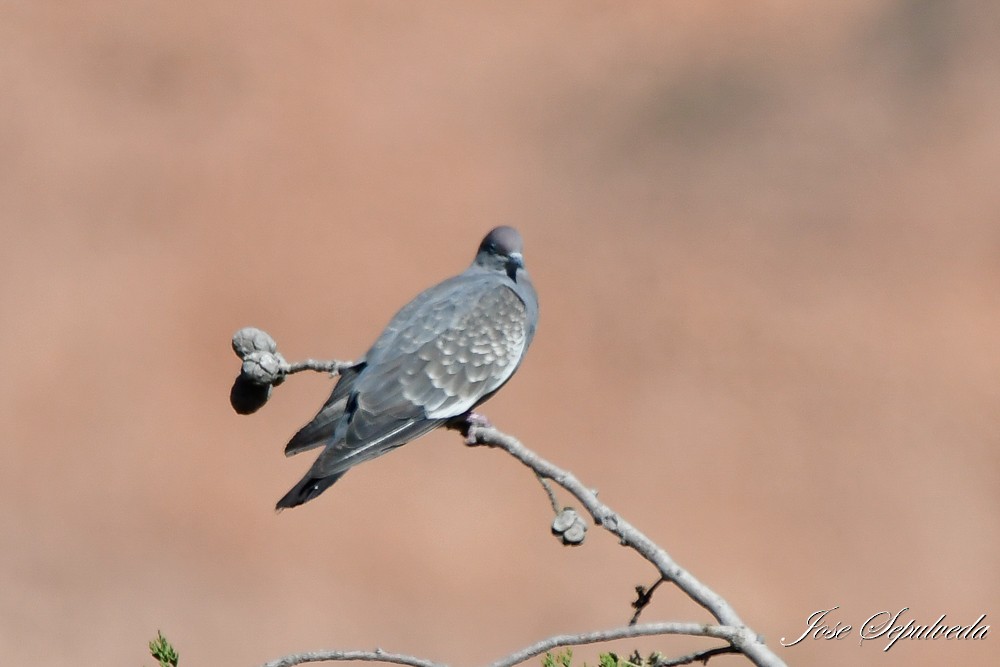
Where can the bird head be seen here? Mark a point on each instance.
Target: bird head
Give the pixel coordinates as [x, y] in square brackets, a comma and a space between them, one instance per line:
[501, 250]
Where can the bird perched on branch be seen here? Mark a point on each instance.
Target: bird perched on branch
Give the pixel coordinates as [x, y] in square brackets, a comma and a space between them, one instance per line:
[441, 355]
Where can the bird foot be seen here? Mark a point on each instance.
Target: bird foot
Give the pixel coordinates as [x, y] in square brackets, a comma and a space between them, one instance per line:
[476, 419]
[467, 423]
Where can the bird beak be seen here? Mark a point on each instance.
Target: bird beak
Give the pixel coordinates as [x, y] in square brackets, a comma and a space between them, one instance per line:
[515, 260]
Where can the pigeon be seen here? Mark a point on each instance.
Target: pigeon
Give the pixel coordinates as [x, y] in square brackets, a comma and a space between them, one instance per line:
[444, 353]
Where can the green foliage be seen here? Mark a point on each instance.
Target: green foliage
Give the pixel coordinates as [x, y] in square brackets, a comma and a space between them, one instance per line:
[564, 658]
[609, 660]
[560, 659]
[162, 651]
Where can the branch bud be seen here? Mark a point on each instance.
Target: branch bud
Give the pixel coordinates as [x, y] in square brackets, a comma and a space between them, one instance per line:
[264, 367]
[569, 527]
[248, 396]
[252, 339]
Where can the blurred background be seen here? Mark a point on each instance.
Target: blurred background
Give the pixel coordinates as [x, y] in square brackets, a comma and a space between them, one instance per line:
[766, 239]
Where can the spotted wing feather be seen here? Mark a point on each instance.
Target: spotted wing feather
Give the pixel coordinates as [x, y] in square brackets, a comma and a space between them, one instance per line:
[449, 356]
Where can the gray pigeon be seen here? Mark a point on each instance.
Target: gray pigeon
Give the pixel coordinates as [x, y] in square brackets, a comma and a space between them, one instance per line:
[444, 353]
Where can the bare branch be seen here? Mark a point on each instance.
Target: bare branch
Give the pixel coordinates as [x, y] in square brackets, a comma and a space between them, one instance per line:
[697, 656]
[263, 367]
[691, 629]
[333, 367]
[551, 494]
[643, 597]
[378, 655]
[743, 639]
[516, 658]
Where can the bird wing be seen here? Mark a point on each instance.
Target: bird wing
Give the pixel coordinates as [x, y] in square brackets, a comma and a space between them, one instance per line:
[324, 424]
[440, 356]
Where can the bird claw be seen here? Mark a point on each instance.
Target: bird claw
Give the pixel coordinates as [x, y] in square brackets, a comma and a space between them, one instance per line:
[476, 419]
[467, 424]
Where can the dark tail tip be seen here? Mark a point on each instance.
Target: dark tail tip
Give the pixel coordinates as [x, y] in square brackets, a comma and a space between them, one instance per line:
[307, 489]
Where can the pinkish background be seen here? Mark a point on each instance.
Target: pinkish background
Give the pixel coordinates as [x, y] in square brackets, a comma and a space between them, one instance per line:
[767, 242]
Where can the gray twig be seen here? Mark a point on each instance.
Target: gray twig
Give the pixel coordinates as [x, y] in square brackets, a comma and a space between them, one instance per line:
[742, 638]
[726, 633]
[551, 494]
[378, 655]
[333, 367]
[643, 597]
[723, 632]
[697, 656]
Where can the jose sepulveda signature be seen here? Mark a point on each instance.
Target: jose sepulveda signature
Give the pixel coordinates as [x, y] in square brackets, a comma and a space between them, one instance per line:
[889, 627]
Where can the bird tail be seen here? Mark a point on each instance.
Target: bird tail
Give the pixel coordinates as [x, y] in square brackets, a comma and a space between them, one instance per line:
[307, 489]
[323, 426]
